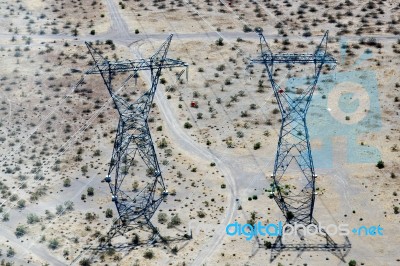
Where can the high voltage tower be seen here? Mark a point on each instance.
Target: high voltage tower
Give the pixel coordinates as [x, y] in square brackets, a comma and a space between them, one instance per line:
[294, 144]
[133, 140]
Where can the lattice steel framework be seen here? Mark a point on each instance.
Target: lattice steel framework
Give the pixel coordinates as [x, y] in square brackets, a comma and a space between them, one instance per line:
[133, 139]
[294, 145]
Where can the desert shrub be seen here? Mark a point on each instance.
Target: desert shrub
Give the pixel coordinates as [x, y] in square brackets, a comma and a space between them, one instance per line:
[32, 218]
[109, 213]
[54, 244]
[135, 239]
[69, 205]
[380, 164]
[85, 262]
[289, 215]
[175, 220]
[148, 254]
[59, 209]
[90, 191]
[21, 204]
[20, 230]
[67, 182]
[162, 217]
[90, 216]
[352, 263]
[10, 252]
[246, 28]
[219, 42]
[187, 125]
[201, 214]
[257, 146]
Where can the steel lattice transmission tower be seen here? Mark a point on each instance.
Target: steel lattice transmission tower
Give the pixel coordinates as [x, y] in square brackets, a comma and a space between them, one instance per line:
[294, 145]
[133, 140]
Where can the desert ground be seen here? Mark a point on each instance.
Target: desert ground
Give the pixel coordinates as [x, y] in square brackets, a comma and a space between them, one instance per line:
[216, 159]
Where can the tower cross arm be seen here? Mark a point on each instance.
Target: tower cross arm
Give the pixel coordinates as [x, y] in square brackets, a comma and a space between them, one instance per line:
[320, 56]
[135, 65]
[301, 58]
